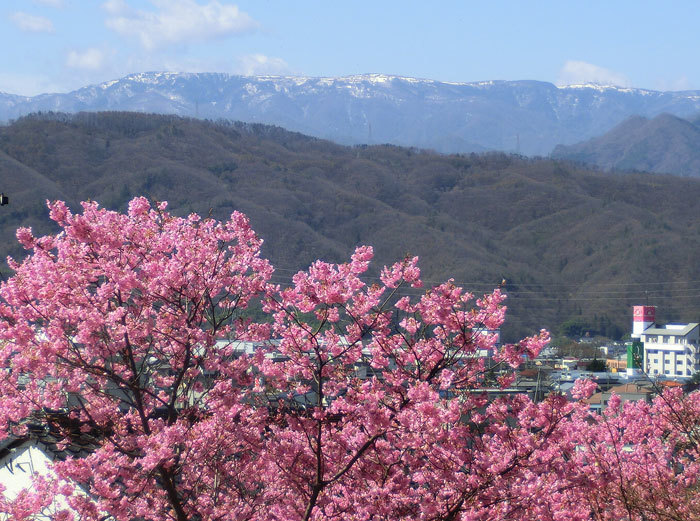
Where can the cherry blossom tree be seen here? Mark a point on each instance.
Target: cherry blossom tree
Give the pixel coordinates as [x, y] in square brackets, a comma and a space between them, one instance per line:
[638, 460]
[362, 400]
[114, 321]
[417, 441]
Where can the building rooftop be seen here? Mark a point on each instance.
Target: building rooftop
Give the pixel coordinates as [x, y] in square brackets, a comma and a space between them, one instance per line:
[671, 329]
[630, 388]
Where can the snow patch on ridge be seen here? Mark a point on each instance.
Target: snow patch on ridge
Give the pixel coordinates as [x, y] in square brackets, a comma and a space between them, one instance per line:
[606, 88]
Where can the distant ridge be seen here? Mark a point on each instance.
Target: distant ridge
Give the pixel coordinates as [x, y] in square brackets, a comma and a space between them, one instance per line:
[528, 117]
[664, 144]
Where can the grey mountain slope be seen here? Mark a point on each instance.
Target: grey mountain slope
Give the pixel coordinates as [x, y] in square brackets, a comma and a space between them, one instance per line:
[22, 180]
[664, 144]
[22, 183]
[528, 117]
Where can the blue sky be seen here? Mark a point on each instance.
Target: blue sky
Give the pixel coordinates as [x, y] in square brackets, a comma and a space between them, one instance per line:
[61, 45]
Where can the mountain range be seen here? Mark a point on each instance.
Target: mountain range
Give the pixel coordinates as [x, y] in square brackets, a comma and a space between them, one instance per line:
[570, 243]
[524, 117]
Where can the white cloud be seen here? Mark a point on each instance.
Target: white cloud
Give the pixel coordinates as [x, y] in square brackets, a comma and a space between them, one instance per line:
[31, 23]
[176, 21]
[576, 72]
[117, 7]
[89, 59]
[259, 64]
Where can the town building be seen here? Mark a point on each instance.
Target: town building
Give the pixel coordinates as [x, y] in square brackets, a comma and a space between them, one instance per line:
[670, 351]
[629, 392]
[31, 455]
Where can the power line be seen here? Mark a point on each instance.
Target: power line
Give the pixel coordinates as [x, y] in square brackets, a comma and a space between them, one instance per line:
[534, 284]
[582, 294]
[533, 297]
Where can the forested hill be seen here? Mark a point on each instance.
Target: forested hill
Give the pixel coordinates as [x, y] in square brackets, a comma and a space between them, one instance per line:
[664, 144]
[570, 243]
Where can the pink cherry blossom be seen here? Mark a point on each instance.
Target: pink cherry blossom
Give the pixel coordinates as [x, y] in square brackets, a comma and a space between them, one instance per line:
[349, 401]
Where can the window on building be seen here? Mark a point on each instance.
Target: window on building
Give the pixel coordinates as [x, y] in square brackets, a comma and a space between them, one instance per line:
[665, 339]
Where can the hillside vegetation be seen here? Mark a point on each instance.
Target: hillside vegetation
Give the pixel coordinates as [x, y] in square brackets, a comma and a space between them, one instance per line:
[570, 243]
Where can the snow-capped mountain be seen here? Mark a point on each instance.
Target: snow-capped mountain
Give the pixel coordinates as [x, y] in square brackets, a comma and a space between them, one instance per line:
[529, 117]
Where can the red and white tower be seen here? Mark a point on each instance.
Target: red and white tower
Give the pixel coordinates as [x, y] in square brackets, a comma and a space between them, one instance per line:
[643, 317]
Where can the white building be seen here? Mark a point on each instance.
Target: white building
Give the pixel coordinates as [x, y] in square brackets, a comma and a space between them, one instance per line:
[20, 461]
[672, 351]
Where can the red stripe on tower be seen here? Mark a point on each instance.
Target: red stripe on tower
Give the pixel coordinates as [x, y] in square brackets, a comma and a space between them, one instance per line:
[642, 318]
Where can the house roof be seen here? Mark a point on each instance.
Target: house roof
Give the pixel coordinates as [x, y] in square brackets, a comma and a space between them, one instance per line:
[595, 399]
[670, 383]
[630, 388]
[56, 435]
